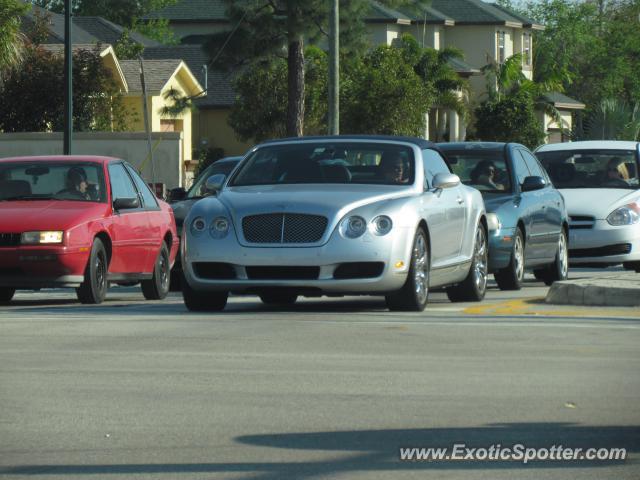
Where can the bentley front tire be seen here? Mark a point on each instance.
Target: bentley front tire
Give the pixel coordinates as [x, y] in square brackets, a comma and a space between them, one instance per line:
[414, 294]
[158, 287]
[93, 289]
[474, 286]
[203, 301]
[6, 294]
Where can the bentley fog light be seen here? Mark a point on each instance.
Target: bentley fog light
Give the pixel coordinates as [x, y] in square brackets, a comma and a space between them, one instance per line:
[381, 225]
[627, 215]
[198, 226]
[219, 227]
[38, 238]
[353, 227]
[493, 222]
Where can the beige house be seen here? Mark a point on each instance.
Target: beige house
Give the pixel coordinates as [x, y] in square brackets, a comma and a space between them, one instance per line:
[485, 32]
[95, 33]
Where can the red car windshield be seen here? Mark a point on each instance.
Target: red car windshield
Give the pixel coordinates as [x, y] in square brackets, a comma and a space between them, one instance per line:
[52, 181]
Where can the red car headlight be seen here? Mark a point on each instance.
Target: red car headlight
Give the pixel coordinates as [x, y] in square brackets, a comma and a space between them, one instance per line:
[39, 238]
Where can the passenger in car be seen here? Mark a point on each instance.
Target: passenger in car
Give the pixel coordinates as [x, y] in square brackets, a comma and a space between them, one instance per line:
[617, 169]
[485, 175]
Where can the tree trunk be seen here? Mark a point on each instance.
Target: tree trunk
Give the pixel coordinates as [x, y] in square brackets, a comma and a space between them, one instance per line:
[295, 107]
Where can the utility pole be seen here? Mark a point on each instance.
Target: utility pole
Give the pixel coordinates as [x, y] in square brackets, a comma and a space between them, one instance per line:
[334, 69]
[145, 110]
[68, 80]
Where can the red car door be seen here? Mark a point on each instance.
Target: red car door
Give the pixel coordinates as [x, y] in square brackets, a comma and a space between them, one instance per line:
[130, 227]
[157, 218]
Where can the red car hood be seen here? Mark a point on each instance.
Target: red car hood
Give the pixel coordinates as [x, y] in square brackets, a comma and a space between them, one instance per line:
[33, 215]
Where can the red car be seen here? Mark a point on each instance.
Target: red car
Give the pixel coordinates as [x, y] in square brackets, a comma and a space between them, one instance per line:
[83, 222]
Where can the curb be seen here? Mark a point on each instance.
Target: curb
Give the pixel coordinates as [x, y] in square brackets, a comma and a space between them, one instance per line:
[621, 290]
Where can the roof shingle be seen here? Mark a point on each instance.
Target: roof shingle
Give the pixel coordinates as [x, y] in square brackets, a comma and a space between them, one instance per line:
[220, 90]
[199, 10]
[156, 73]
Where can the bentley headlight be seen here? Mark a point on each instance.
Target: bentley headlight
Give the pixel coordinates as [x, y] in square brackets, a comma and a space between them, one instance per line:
[493, 222]
[198, 226]
[381, 225]
[626, 215]
[219, 227]
[353, 227]
[39, 238]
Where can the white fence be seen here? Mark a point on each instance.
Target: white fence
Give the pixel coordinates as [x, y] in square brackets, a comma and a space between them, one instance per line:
[133, 147]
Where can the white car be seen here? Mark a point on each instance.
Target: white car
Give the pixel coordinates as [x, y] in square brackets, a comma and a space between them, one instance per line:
[600, 184]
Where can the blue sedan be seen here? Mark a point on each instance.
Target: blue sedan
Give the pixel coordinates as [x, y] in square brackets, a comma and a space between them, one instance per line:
[528, 222]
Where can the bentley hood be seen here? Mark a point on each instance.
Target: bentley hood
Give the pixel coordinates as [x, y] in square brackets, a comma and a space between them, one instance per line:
[34, 215]
[328, 200]
[597, 202]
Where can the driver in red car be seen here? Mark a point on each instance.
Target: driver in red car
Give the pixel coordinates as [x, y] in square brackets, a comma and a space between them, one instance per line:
[77, 183]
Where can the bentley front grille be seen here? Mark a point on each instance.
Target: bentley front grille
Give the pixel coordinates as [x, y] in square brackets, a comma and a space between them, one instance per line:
[284, 228]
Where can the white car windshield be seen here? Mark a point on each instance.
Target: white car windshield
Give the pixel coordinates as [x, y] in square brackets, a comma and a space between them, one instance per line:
[598, 168]
[43, 180]
[324, 162]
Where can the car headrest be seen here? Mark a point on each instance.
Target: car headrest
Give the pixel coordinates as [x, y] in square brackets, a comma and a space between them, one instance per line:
[14, 188]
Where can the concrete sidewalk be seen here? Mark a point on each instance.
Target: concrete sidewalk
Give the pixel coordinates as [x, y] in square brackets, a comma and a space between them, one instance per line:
[619, 289]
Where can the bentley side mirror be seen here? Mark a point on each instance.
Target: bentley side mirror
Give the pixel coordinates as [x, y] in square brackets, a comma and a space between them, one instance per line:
[533, 183]
[445, 180]
[214, 183]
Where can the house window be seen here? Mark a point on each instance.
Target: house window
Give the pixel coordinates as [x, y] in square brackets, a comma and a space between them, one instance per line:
[501, 47]
[526, 49]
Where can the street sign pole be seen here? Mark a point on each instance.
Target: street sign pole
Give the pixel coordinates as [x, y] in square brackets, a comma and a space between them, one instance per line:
[68, 80]
[334, 69]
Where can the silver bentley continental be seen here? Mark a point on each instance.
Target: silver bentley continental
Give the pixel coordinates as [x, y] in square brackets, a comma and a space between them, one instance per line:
[336, 215]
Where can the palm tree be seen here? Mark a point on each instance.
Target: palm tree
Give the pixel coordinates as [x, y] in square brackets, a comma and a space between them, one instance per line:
[11, 39]
[504, 79]
[451, 90]
[612, 119]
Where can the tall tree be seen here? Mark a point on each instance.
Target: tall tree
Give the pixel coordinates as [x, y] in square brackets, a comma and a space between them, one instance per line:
[273, 28]
[32, 95]
[11, 40]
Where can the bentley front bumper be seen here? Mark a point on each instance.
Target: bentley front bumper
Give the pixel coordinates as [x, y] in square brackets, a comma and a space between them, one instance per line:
[369, 264]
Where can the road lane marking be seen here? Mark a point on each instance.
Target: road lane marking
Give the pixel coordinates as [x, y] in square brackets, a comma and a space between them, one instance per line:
[536, 306]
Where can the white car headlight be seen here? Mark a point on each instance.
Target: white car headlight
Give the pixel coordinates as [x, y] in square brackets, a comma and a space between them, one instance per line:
[198, 225]
[38, 238]
[626, 215]
[493, 222]
[219, 227]
[381, 225]
[353, 227]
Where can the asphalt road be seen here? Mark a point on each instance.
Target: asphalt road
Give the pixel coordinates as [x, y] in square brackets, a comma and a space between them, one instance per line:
[328, 389]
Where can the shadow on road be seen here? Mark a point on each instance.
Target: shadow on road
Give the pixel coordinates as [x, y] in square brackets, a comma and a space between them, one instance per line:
[378, 451]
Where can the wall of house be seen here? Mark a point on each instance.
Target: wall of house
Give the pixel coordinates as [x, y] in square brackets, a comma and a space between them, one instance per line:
[551, 126]
[433, 35]
[133, 147]
[133, 106]
[477, 42]
[383, 33]
[211, 128]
